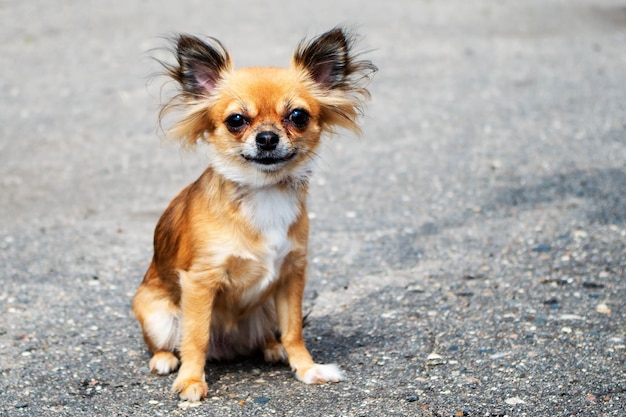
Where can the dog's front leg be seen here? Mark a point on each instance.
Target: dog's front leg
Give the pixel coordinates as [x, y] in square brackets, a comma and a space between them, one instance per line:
[288, 300]
[197, 296]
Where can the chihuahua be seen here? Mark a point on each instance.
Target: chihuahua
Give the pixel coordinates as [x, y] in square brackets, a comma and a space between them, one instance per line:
[230, 252]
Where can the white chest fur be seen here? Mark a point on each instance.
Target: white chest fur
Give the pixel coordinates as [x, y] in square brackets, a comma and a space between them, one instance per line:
[271, 211]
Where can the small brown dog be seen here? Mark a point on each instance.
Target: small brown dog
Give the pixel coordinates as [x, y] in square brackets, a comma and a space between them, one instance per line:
[230, 251]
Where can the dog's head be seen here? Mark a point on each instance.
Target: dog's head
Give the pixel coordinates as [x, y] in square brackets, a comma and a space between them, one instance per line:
[263, 124]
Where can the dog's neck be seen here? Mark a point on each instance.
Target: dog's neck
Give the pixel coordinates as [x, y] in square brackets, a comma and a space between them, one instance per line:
[272, 209]
[268, 207]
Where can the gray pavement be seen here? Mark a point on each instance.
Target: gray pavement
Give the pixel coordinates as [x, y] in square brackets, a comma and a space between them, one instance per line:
[468, 252]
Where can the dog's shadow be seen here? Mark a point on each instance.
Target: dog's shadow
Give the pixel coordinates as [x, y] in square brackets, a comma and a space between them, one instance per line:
[249, 366]
[325, 345]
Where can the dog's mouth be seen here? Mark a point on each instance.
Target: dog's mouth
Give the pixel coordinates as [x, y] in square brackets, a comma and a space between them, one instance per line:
[268, 160]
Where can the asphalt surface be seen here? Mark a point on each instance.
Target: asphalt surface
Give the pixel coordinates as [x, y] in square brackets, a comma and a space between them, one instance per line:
[468, 252]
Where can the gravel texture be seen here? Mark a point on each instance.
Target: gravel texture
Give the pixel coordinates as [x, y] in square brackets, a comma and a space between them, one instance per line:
[468, 254]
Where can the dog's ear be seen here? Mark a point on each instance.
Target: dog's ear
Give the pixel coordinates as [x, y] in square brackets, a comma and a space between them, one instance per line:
[340, 79]
[328, 59]
[200, 64]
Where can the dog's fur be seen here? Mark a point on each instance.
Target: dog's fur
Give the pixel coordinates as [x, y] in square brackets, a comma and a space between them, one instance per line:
[230, 251]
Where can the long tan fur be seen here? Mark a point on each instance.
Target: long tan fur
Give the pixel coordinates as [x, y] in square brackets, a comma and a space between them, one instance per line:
[230, 252]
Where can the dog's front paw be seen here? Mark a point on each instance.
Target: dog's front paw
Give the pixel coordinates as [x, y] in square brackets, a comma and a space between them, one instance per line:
[321, 374]
[190, 389]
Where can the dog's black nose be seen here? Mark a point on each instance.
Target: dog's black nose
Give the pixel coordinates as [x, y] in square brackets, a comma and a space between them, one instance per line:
[267, 140]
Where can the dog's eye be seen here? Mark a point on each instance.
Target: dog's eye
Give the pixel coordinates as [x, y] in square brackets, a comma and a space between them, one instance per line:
[299, 118]
[236, 122]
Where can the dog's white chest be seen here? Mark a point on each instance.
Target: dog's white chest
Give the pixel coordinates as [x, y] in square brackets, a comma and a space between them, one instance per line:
[271, 212]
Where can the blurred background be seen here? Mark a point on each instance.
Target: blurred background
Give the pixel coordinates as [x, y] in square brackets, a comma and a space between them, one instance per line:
[482, 212]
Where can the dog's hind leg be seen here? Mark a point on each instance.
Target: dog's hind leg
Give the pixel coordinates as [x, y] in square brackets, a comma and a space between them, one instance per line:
[160, 323]
[273, 351]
